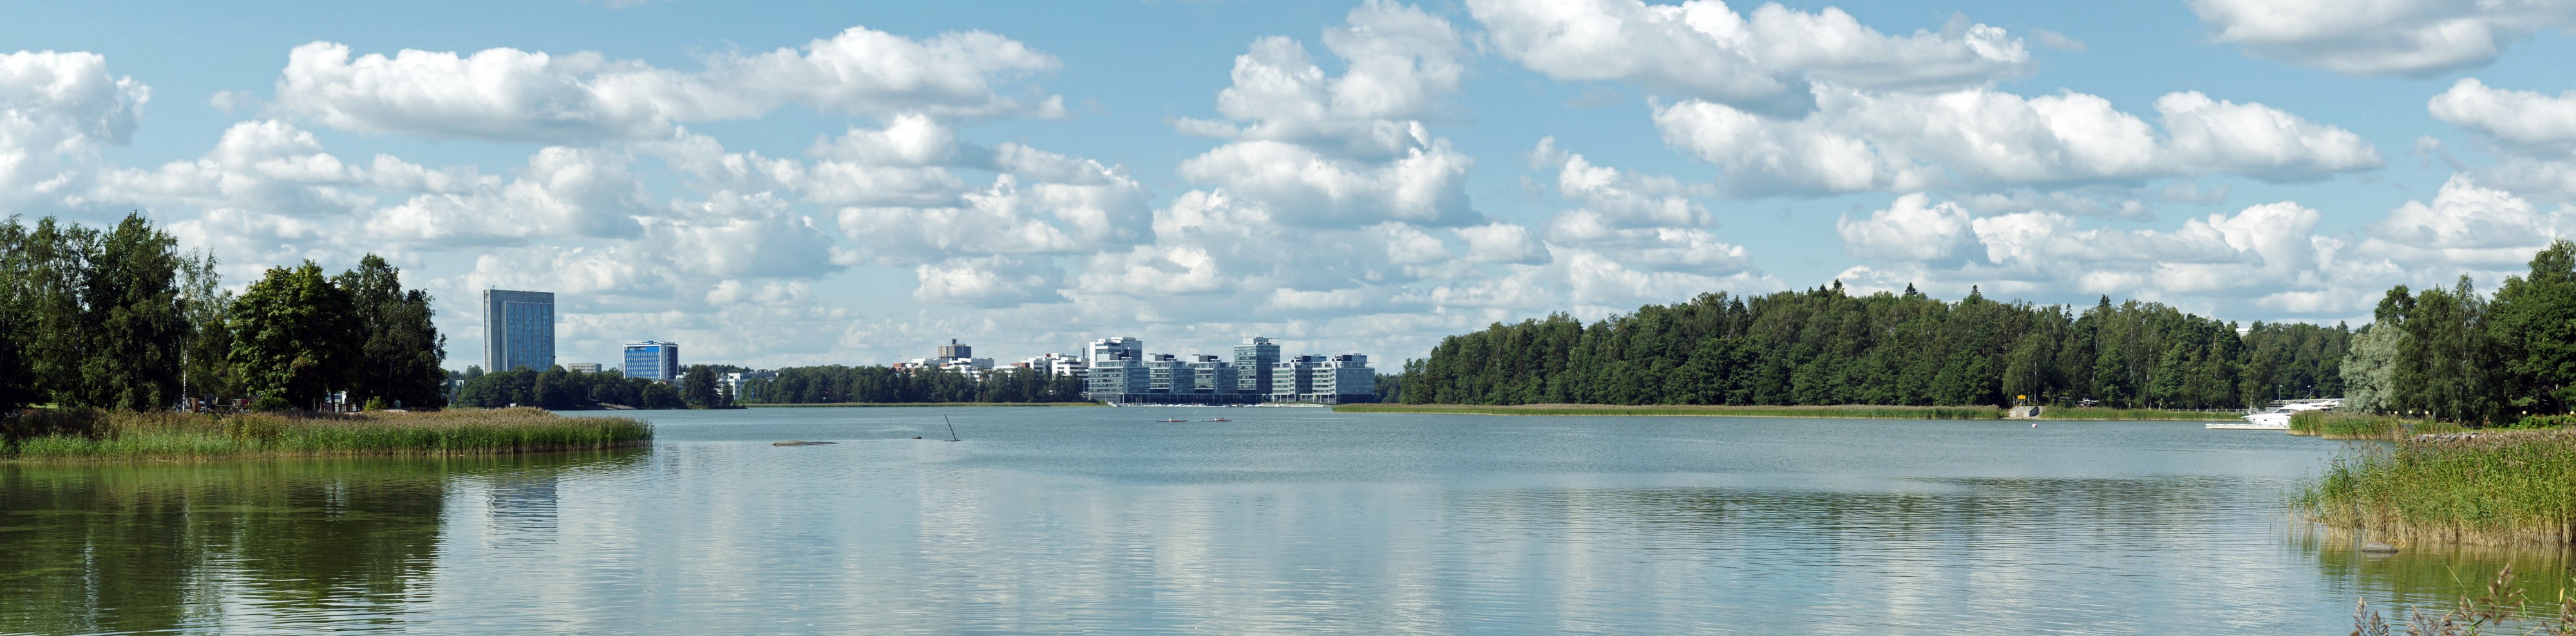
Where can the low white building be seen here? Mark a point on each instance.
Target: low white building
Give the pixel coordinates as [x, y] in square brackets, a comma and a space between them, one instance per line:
[1058, 365]
[952, 357]
[745, 386]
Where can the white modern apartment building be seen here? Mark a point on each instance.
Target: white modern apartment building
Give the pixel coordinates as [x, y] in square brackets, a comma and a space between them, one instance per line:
[952, 357]
[1338, 379]
[745, 386]
[1057, 365]
[1122, 373]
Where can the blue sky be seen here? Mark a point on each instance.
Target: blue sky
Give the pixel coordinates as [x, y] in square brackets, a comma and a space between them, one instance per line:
[796, 183]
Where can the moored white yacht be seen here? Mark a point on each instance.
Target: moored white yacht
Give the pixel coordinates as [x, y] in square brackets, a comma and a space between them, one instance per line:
[2278, 419]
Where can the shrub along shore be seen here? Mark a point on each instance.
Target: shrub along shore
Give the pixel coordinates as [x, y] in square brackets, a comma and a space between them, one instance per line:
[1842, 411]
[83, 434]
[2492, 487]
[2368, 426]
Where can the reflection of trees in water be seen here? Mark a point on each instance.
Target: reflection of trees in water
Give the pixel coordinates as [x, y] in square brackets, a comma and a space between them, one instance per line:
[134, 547]
[2433, 576]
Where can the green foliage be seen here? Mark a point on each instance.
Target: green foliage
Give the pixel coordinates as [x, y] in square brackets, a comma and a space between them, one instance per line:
[296, 336]
[2492, 487]
[1824, 347]
[1390, 388]
[2534, 324]
[698, 386]
[204, 370]
[2104, 413]
[402, 349]
[48, 339]
[91, 318]
[133, 319]
[558, 390]
[2357, 425]
[2547, 421]
[837, 384]
[2369, 370]
[2454, 355]
[270, 402]
[120, 319]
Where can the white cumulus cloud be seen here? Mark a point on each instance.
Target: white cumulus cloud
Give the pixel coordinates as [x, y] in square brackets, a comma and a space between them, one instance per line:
[2381, 37]
[1346, 151]
[1703, 49]
[507, 94]
[2267, 257]
[57, 110]
[1857, 142]
[990, 281]
[2535, 134]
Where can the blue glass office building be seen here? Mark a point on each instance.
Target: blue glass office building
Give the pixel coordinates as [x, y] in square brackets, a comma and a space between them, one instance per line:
[518, 330]
[653, 360]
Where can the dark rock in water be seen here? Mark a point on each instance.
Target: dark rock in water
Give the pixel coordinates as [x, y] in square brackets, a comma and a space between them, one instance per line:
[2377, 547]
[800, 443]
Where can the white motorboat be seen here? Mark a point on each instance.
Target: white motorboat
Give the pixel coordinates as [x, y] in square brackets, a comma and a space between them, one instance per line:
[2278, 418]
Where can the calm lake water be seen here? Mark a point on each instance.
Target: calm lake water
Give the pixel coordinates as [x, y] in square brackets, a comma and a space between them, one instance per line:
[1287, 520]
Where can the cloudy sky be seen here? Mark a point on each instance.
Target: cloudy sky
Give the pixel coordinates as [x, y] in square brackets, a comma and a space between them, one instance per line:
[796, 183]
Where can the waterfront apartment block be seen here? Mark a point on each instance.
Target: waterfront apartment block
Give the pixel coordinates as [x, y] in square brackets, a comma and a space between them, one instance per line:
[1338, 379]
[1211, 375]
[1254, 358]
[1122, 373]
[518, 330]
[657, 361]
[1057, 365]
[954, 357]
[1106, 349]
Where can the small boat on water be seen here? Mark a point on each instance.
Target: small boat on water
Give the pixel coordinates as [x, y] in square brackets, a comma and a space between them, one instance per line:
[1220, 420]
[1171, 420]
[2278, 418]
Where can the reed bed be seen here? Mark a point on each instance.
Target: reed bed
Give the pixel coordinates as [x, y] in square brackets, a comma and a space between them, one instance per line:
[2104, 413]
[2370, 426]
[2496, 487]
[1873, 412]
[96, 435]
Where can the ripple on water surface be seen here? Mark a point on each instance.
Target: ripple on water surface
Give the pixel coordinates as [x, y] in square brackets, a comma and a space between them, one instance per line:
[1283, 521]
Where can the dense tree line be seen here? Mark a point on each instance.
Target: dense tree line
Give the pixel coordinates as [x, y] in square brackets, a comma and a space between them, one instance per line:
[1826, 346]
[555, 388]
[2453, 354]
[834, 384]
[118, 318]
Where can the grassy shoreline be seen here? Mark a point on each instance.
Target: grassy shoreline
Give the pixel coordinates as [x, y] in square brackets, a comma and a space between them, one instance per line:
[864, 405]
[2494, 487]
[1841, 411]
[2095, 413]
[2364, 426]
[131, 436]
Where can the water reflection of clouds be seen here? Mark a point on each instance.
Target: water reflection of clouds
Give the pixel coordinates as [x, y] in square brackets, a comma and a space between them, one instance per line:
[1075, 523]
[521, 506]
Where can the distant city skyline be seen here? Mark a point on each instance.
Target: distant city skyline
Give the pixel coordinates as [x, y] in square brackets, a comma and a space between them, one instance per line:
[788, 184]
